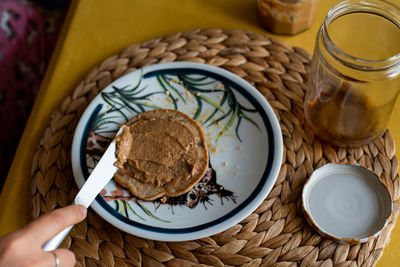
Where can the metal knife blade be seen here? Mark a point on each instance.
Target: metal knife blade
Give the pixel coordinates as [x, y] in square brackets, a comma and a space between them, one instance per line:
[100, 176]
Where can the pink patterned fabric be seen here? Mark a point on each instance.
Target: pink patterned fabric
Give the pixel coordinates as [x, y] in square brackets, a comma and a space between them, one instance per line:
[28, 32]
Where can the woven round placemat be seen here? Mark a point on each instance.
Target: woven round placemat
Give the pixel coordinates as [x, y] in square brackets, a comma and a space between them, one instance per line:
[275, 234]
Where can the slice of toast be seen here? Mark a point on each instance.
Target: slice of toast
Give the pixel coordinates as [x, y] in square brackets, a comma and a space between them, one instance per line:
[161, 153]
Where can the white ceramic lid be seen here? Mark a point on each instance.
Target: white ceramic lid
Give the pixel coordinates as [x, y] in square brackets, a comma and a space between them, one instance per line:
[346, 203]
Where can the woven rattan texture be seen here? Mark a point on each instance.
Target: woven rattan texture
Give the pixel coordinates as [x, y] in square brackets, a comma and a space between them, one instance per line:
[275, 234]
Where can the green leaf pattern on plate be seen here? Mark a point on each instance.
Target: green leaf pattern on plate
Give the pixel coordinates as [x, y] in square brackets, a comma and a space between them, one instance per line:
[226, 112]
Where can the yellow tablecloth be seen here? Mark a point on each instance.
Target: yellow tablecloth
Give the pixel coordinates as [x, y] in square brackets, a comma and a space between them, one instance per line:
[97, 29]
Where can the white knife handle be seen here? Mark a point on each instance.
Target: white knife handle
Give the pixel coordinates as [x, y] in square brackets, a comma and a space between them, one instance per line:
[100, 176]
[55, 241]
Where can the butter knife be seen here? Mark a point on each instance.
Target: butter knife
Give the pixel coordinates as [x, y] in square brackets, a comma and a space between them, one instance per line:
[100, 176]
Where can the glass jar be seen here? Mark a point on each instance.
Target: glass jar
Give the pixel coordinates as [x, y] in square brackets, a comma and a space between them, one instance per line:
[355, 72]
[286, 16]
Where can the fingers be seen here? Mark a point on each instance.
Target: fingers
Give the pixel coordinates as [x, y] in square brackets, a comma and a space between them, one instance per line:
[65, 257]
[54, 222]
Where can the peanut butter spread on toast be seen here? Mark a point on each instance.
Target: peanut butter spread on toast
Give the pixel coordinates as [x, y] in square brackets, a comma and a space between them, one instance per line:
[160, 153]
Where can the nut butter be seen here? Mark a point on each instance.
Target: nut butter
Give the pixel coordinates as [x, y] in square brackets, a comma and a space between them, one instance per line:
[355, 72]
[160, 153]
[286, 16]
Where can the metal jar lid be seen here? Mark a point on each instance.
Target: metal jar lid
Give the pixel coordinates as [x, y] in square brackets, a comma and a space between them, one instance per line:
[346, 203]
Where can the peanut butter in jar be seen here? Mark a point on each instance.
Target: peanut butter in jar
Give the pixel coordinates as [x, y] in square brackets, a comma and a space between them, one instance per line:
[286, 16]
[355, 72]
[342, 115]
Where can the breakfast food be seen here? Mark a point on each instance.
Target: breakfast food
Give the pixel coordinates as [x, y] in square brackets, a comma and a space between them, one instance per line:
[160, 153]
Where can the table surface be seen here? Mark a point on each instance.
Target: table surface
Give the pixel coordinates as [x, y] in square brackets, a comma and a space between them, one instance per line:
[97, 29]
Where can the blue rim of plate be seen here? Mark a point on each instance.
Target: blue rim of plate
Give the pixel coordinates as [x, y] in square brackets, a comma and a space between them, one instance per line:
[242, 206]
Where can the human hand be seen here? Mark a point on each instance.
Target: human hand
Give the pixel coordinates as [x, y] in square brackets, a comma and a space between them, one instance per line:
[24, 247]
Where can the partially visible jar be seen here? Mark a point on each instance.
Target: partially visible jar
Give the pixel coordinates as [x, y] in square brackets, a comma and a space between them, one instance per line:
[355, 72]
[286, 16]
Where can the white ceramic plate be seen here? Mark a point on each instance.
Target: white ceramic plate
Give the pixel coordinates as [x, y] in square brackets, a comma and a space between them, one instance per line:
[243, 135]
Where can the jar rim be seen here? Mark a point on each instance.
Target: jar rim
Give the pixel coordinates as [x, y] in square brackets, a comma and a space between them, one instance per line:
[382, 8]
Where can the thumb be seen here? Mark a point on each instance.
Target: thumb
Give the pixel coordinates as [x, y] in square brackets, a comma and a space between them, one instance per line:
[50, 224]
